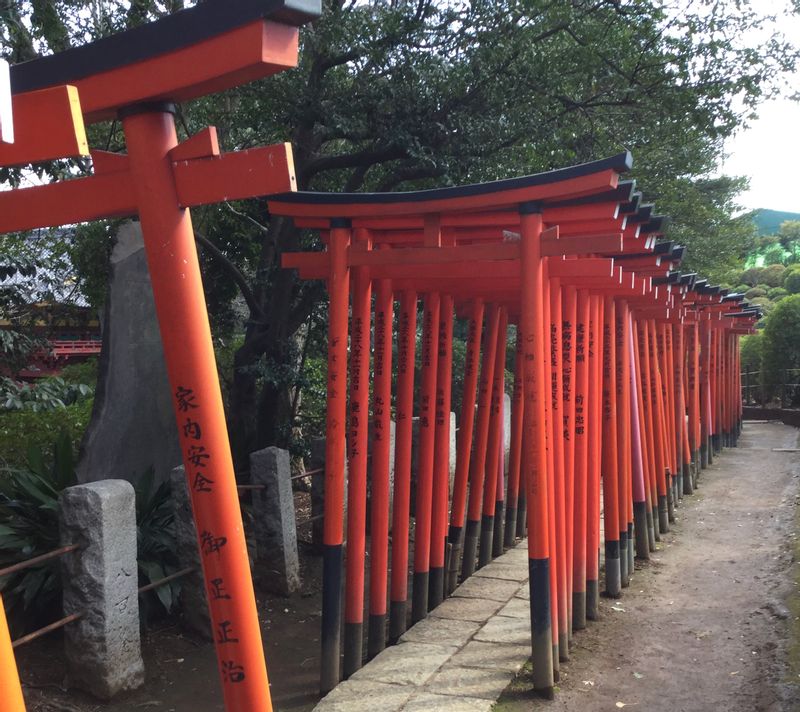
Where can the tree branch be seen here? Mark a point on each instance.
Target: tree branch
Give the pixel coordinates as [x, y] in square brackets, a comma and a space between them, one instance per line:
[233, 271]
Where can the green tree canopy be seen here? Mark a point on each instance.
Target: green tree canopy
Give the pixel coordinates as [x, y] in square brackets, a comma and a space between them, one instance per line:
[399, 94]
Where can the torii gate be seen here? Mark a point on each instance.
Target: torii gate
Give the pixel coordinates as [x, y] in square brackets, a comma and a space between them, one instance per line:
[135, 76]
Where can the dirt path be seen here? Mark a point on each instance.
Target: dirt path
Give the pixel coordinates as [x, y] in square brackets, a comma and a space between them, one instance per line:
[706, 624]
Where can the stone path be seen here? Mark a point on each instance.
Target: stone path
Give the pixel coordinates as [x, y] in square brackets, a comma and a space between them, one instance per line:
[460, 658]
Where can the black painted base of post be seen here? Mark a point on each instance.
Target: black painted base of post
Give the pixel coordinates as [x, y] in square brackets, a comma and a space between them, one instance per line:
[704, 454]
[631, 551]
[522, 516]
[613, 569]
[419, 597]
[663, 514]
[652, 527]
[541, 630]
[670, 498]
[688, 478]
[578, 610]
[376, 634]
[487, 539]
[398, 619]
[435, 587]
[353, 648]
[592, 599]
[471, 534]
[455, 539]
[510, 536]
[624, 573]
[641, 530]
[499, 529]
[332, 558]
[697, 467]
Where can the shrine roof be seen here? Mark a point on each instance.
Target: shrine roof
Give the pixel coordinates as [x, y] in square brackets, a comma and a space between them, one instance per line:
[181, 29]
[590, 182]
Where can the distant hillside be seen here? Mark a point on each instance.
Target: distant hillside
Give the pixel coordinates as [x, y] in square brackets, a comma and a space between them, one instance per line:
[768, 221]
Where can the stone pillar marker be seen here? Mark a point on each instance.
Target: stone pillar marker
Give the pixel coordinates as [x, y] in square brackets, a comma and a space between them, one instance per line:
[277, 563]
[194, 606]
[100, 581]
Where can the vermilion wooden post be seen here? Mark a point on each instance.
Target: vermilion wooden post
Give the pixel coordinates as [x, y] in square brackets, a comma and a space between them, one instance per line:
[704, 387]
[358, 436]
[550, 469]
[406, 350]
[381, 454]
[595, 450]
[693, 348]
[427, 432]
[641, 523]
[648, 466]
[649, 431]
[197, 401]
[559, 468]
[656, 406]
[515, 452]
[668, 375]
[477, 468]
[464, 441]
[441, 464]
[580, 519]
[9, 677]
[534, 457]
[610, 462]
[569, 380]
[624, 443]
[494, 447]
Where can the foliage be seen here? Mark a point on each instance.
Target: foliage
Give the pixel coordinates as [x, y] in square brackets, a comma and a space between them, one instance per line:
[29, 528]
[155, 536]
[400, 94]
[84, 372]
[22, 430]
[752, 276]
[751, 350]
[773, 275]
[47, 394]
[781, 343]
[755, 292]
[773, 255]
[791, 281]
[777, 293]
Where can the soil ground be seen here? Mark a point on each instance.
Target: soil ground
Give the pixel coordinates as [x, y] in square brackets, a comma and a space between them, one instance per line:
[712, 622]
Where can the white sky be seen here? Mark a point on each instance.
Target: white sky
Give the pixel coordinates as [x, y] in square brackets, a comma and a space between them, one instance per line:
[768, 151]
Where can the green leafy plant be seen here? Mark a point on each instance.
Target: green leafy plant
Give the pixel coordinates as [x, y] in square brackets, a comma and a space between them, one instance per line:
[48, 394]
[29, 528]
[155, 535]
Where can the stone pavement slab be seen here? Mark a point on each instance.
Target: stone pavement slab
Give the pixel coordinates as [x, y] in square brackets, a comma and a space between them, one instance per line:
[459, 659]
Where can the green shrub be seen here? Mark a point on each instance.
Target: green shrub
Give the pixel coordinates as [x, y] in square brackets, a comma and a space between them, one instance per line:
[22, 430]
[754, 292]
[751, 349]
[29, 528]
[772, 276]
[44, 395]
[81, 373]
[751, 276]
[777, 293]
[766, 305]
[791, 281]
[742, 288]
[781, 343]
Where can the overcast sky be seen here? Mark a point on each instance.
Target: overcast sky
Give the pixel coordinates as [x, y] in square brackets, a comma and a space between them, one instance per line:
[769, 150]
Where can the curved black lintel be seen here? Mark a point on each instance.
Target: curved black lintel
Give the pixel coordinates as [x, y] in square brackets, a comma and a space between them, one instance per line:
[620, 162]
[181, 29]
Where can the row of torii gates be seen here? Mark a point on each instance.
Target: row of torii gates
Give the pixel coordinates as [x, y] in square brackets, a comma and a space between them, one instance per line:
[626, 372]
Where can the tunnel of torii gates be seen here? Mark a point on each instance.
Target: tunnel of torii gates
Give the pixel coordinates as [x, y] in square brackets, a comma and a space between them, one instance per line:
[626, 380]
[639, 360]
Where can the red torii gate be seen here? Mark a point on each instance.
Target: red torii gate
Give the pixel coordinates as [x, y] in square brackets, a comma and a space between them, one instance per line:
[135, 76]
[505, 251]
